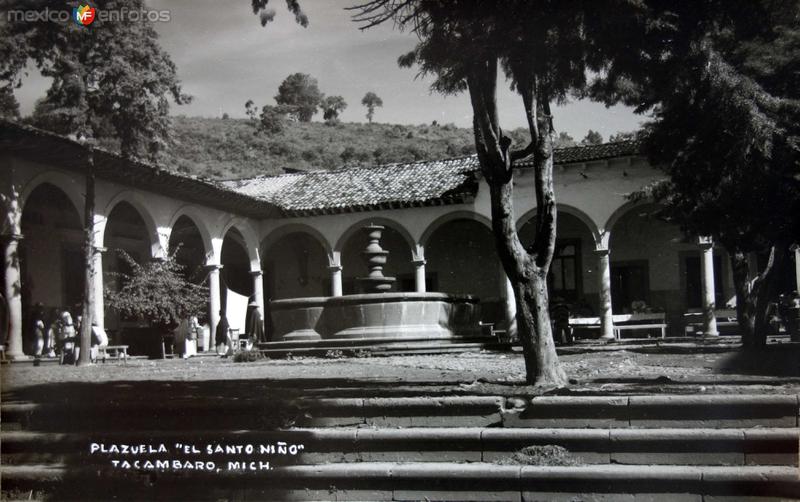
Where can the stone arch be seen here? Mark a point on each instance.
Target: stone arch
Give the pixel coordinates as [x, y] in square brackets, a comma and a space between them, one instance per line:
[455, 215]
[296, 260]
[616, 216]
[250, 236]
[397, 227]
[135, 200]
[290, 228]
[192, 213]
[64, 182]
[570, 210]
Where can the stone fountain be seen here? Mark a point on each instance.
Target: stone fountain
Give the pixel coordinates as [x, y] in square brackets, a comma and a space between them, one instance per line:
[377, 316]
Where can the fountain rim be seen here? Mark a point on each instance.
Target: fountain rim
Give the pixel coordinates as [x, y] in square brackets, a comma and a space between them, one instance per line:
[364, 298]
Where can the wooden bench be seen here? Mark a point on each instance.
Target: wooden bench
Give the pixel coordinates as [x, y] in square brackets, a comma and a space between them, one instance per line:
[726, 318]
[644, 321]
[120, 352]
[623, 322]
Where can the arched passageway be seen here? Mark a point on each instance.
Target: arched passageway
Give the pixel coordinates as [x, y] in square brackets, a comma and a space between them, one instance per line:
[126, 235]
[186, 243]
[573, 271]
[51, 256]
[295, 266]
[462, 259]
[398, 263]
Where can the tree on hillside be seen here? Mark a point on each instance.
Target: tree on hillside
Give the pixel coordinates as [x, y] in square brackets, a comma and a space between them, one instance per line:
[623, 136]
[725, 130]
[251, 110]
[592, 138]
[371, 101]
[300, 91]
[564, 140]
[332, 106]
[108, 79]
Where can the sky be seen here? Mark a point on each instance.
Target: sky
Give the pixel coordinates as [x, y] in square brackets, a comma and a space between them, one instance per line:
[225, 57]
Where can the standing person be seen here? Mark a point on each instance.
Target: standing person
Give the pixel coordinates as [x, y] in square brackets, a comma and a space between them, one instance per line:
[562, 331]
[222, 335]
[39, 332]
[67, 339]
[254, 324]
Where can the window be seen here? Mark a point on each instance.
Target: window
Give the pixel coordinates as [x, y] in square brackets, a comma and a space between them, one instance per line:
[630, 282]
[564, 279]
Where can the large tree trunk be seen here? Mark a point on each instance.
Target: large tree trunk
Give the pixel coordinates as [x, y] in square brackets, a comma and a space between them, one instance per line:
[740, 268]
[89, 250]
[768, 282]
[753, 296]
[526, 270]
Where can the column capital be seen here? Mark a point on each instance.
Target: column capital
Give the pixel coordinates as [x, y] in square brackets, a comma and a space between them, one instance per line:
[211, 267]
[705, 242]
[419, 262]
[256, 273]
[335, 268]
[100, 249]
[601, 251]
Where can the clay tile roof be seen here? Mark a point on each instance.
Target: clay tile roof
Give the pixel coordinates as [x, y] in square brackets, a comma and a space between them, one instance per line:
[394, 185]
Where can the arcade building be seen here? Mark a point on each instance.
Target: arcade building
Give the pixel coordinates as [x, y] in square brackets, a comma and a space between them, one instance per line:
[297, 235]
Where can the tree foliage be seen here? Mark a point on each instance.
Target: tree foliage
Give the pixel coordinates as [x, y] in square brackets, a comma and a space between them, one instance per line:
[332, 106]
[157, 292]
[300, 90]
[108, 79]
[9, 107]
[722, 80]
[371, 101]
[592, 138]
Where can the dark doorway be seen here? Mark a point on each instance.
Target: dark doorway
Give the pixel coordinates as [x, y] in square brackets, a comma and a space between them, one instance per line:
[629, 283]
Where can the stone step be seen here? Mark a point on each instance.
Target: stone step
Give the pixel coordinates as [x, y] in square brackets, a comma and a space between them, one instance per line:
[677, 411]
[379, 346]
[757, 446]
[413, 481]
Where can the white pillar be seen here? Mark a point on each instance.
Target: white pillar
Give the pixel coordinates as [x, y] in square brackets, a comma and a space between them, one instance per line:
[797, 267]
[214, 302]
[419, 275]
[258, 288]
[707, 279]
[510, 304]
[99, 315]
[604, 275]
[336, 280]
[13, 286]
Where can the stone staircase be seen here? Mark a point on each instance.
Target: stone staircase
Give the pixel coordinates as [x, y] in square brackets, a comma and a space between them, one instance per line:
[407, 443]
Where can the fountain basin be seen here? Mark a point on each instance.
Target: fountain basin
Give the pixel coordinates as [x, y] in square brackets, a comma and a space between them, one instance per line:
[376, 315]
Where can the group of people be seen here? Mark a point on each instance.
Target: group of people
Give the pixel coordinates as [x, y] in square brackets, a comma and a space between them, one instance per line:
[61, 336]
[254, 330]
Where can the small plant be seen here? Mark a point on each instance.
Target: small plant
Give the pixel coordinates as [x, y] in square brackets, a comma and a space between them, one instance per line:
[548, 455]
[248, 356]
[334, 354]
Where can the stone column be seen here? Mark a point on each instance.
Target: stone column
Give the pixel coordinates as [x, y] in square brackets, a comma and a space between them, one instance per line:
[510, 305]
[336, 280]
[797, 267]
[99, 314]
[13, 285]
[707, 279]
[214, 302]
[419, 275]
[604, 275]
[258, 288]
